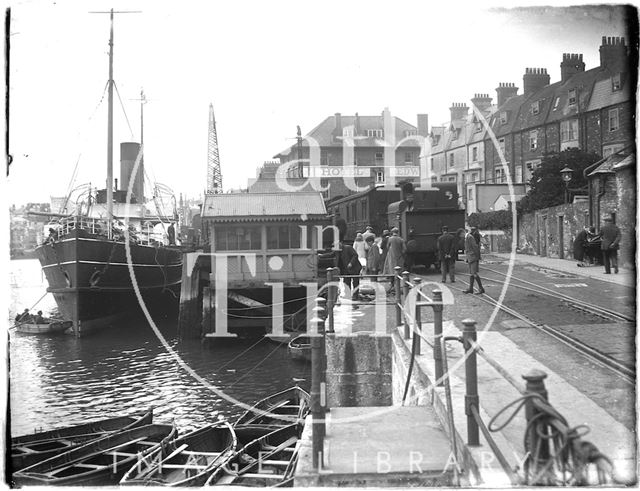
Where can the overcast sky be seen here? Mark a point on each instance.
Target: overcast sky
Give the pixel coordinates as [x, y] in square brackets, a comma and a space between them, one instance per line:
[266, 66]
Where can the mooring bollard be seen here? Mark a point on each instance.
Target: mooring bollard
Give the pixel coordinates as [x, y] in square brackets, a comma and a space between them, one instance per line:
[471, 380]
[331, 299]
[418, 317]
[437, 335]
[406, 287]
[317, 389]
[534, 440]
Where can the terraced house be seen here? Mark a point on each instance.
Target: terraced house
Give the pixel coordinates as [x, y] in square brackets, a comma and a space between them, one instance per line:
[589, 109]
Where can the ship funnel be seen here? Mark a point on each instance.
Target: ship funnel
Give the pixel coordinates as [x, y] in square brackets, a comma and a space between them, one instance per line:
[128, 155]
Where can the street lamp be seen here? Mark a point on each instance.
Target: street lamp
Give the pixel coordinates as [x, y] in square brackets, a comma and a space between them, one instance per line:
[567, 175]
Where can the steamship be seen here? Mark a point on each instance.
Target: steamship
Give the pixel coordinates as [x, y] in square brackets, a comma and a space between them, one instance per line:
[107, 253]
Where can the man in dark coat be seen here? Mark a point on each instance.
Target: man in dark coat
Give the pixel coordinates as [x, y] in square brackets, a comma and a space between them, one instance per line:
[610, 245]
[472, 251]
[349, 264]
[446, 246]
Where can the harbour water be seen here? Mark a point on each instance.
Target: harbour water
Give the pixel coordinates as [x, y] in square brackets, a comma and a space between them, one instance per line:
[61, 380]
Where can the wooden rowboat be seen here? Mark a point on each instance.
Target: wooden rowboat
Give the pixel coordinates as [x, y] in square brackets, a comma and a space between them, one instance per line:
[50, 326]
[26, 450]
[99, 461]
[267, 461]
[300, 348]
[190, 459]
[283, 408]
[187, 460]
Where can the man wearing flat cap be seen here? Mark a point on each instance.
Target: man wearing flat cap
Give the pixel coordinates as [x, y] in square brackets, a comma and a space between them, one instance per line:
[610, 245]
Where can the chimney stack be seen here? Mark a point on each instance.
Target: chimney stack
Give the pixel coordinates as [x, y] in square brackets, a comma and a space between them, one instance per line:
[534, 79]
[506, 91]
[423, 125]
[337, 130]
[614, 54]
[481, 101]
[458, 110]
[571, 64]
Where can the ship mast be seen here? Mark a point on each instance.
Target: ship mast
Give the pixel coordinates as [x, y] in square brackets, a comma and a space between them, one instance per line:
[110, 135]
[110, 119]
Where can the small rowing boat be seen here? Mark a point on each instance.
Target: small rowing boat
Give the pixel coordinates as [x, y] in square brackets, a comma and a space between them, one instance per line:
[267, 461]
[186, 461]
[99, 461]
[283, 408]
[190, 459]
[49, 326]
[26, 450]
[300, 348]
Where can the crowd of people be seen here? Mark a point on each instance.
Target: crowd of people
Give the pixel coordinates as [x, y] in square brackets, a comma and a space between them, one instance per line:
[371, 255]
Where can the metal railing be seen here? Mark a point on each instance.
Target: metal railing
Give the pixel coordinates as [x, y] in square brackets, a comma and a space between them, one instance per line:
[99, 226]
[556, 454]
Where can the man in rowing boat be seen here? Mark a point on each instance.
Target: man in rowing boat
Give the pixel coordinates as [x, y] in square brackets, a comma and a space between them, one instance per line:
[38, 319]
[24, 317]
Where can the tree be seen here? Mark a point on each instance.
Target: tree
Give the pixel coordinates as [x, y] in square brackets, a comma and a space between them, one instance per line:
[546, 185]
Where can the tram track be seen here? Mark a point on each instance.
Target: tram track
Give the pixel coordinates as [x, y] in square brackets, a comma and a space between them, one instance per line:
[587, 307]
[621, 370]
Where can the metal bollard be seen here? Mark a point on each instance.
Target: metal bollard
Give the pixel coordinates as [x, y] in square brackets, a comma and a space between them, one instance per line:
[418, 318]
[437, 334]
[331, 299]
[534, 440]
[317, 386]
[405, 294]
[471, 380]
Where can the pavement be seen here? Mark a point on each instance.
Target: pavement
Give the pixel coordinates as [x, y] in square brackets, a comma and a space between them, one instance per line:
[625, 276]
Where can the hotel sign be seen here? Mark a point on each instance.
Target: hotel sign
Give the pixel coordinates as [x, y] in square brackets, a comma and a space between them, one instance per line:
[339, 171]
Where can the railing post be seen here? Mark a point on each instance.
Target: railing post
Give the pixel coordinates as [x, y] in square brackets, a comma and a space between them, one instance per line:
[317, 394]
[437, 336]
[396, 282]
[331, 299]
[418, 317]
[406, 286]
[534, 441]
[471, 380]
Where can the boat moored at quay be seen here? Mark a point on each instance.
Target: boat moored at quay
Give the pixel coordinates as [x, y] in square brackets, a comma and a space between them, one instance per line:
[104, 250]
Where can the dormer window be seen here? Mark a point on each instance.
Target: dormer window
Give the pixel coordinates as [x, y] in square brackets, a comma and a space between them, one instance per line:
[347, 131]
[454, 135]
[572, 97]
[478, 127]
[374, 133]
[503, 117]
[535, 107]
[615, 82]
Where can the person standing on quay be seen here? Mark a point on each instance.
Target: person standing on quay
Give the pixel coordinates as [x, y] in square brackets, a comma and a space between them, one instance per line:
[610, 245]
[349, 264]
[447, 254]
[472, 251]
[396, 250]
[360, 248]
[373, 257]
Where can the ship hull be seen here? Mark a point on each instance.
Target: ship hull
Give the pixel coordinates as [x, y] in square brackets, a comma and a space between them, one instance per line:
[92, 283]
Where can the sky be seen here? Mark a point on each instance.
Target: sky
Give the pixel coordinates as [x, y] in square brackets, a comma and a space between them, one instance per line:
[265, 66]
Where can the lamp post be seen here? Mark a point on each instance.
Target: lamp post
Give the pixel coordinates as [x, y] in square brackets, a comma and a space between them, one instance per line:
[567, 175]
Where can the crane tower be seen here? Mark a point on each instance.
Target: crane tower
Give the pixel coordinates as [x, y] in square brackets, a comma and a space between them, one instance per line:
[214, 174]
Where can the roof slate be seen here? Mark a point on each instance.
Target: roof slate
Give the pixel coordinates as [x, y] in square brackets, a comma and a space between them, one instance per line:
[263, 205]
